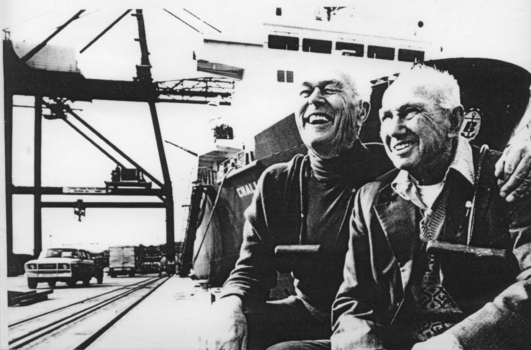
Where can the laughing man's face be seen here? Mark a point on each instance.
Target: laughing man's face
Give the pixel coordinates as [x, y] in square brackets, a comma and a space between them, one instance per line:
[414, 129]
[326, 120]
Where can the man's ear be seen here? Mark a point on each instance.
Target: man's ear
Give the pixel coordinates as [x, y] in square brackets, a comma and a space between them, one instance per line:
[364, 110]
[456, 119]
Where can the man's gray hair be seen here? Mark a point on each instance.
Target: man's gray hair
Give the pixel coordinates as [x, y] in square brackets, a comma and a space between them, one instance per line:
[358, 84]
[431, 83]
[356, 81]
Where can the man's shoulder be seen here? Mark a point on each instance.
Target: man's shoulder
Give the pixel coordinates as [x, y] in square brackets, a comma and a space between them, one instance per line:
[385, 179]
[491, 156]
[282, 169]
[371, 190]
[278, 174]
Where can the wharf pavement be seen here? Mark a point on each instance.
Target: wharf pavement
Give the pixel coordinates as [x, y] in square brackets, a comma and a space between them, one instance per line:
[172, 317]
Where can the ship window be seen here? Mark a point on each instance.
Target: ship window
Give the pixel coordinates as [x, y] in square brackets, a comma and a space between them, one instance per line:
[283, 42]
[280, 76]
[289, 76]
[410, 55]
[381, 52]
[314, 45]
[350, 49]
[284, 76]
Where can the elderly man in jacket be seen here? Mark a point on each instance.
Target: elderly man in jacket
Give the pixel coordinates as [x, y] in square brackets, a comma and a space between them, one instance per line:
[401, 289]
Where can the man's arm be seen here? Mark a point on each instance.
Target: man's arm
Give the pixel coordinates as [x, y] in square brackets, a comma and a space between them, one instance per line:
[504, 323]
[354, 319]
[255, 271]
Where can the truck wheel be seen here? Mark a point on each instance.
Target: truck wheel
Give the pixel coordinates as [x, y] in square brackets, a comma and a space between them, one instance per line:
[112, 275]
[51, 284]
[132, 274]
[71, 282]
[86, 282]
[32, 283]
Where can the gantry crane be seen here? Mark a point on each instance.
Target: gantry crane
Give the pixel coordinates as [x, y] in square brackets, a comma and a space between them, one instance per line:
[53, 92]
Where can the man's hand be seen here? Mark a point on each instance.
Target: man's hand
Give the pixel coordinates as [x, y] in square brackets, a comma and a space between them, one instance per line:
[444, 341]
[226, 328]
[513, 171]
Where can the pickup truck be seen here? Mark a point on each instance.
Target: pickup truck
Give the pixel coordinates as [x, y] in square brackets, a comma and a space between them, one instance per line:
[68, 265]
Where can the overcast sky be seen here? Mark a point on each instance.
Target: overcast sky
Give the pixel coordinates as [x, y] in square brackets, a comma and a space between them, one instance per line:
[491, 29]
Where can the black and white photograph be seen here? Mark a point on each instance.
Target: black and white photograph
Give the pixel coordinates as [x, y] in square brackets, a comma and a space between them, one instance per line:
[252, 175]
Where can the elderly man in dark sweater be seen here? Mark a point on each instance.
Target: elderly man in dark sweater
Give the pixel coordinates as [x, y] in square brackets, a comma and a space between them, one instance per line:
[306, 201]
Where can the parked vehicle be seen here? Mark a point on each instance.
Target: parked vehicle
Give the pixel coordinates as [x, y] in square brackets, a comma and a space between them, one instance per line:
[123, 260]
[150, 264]
[67, 265]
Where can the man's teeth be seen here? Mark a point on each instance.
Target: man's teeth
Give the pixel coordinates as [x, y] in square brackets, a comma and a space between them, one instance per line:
[319, 119]
[401, 146]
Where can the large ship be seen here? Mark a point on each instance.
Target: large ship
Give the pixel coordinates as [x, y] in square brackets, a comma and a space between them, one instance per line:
[267, 70]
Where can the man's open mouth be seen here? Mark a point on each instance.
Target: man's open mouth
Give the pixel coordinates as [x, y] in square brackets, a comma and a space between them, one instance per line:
[402, 147]
[318, 119]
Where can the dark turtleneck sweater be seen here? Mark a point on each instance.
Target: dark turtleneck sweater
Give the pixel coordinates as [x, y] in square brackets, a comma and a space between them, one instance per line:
[276, 216]
[331, 183]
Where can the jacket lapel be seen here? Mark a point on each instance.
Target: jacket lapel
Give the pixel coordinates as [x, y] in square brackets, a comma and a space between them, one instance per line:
[397, 218]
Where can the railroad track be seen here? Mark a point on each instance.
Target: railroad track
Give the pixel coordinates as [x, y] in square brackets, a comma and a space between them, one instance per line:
[78, 325]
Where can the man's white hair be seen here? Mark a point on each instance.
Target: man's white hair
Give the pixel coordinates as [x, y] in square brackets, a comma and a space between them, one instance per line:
[432, 83]
[358, 84]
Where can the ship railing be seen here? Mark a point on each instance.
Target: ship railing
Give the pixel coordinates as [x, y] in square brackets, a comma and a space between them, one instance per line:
[237, 161]
[206, 176]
